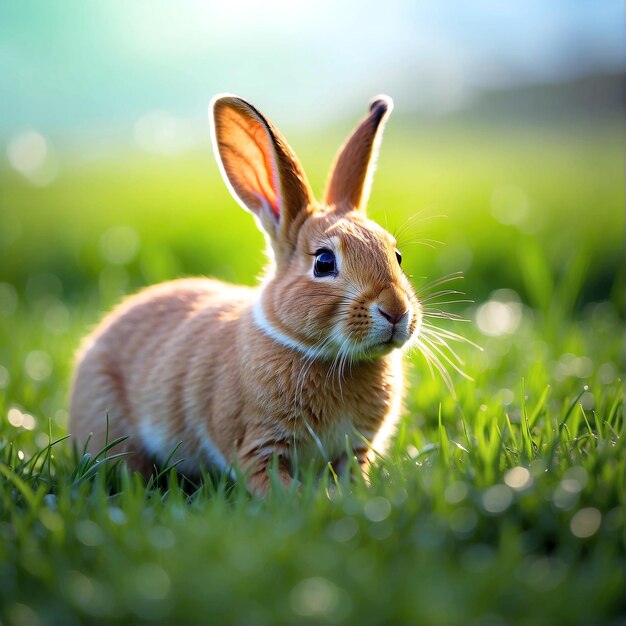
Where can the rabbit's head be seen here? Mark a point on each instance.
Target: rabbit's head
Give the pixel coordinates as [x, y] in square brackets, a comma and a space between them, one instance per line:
[337, 288]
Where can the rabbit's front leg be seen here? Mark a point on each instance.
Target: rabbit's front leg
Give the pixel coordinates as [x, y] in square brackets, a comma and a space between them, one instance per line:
[256, 456]
[343, 468]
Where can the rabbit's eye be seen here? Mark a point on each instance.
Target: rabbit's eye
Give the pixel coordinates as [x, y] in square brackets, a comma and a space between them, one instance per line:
[399, 257]
[325, 264]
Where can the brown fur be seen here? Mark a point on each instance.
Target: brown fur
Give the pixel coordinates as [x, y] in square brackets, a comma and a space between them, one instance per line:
[298, 368]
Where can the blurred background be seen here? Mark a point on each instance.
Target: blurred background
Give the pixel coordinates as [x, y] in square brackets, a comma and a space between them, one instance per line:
[503, 158]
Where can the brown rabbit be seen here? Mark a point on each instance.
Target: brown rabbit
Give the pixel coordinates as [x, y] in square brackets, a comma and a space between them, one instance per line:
[302, 368]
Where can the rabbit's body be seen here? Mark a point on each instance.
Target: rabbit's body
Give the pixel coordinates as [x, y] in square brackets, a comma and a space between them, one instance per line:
[178, 364]
[306, 368]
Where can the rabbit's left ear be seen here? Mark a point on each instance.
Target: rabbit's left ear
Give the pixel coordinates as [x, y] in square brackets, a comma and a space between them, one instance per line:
[257, 164]
[351, 176]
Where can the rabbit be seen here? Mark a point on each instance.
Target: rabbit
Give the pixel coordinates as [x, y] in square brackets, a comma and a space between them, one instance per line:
[305, 368]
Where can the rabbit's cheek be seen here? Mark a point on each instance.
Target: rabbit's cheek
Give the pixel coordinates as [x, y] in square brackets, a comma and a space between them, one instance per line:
[358, 324]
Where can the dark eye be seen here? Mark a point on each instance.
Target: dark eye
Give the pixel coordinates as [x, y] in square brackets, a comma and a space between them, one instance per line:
[325, 264]
[399, 257]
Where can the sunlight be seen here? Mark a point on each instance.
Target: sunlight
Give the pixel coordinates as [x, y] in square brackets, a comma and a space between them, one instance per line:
[501, 180]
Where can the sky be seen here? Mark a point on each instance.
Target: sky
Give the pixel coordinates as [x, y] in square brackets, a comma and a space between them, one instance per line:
[73, 68]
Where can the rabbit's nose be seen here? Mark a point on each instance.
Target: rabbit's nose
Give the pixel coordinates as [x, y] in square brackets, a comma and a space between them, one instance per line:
[392, 318]
[392, 304]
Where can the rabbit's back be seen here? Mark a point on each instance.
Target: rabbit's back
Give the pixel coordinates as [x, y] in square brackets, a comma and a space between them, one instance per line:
[151, 367]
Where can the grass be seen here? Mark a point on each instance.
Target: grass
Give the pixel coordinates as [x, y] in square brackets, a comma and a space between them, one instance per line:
[503, 504]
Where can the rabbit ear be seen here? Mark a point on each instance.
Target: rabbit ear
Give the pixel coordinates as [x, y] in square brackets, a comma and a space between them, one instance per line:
[258, 165]
[351, 176]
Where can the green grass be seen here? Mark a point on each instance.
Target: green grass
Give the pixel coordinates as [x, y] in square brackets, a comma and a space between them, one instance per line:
[501, 505]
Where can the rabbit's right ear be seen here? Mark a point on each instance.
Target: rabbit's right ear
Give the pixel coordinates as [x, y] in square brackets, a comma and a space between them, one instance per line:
[259, 167]
[351, 176]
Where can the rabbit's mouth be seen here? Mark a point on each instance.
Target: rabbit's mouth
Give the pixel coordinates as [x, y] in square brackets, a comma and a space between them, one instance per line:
[379, 350]
[396, 337]
[394, 342]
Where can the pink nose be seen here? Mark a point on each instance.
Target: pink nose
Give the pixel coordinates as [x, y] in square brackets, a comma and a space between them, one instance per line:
[392, 318]
[392, 304]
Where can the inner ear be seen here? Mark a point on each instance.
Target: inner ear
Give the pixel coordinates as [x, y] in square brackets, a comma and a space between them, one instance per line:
[259, 167]
[351, 176]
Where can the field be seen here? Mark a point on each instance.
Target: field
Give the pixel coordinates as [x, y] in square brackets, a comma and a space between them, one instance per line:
[500, 503]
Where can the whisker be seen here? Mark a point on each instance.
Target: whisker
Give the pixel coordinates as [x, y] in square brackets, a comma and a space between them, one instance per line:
[412, 221]
[456, 301]
[306, 368]
[440, 281]
[448, 334]
[335, 364]
[426, 358]
[441, 294]
[428, 243]
[432, 338]
[448, 360]
[443, 315]
[434, 360]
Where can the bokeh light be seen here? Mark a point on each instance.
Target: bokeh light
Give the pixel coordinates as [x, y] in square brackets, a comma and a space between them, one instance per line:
[29, 153]
[586, 522]
[501, 314]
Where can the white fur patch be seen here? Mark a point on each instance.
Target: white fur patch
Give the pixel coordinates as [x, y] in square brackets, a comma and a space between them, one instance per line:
[159, 442]
[262, 322]
[155, 438]
[381, 440]
[211, 455]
